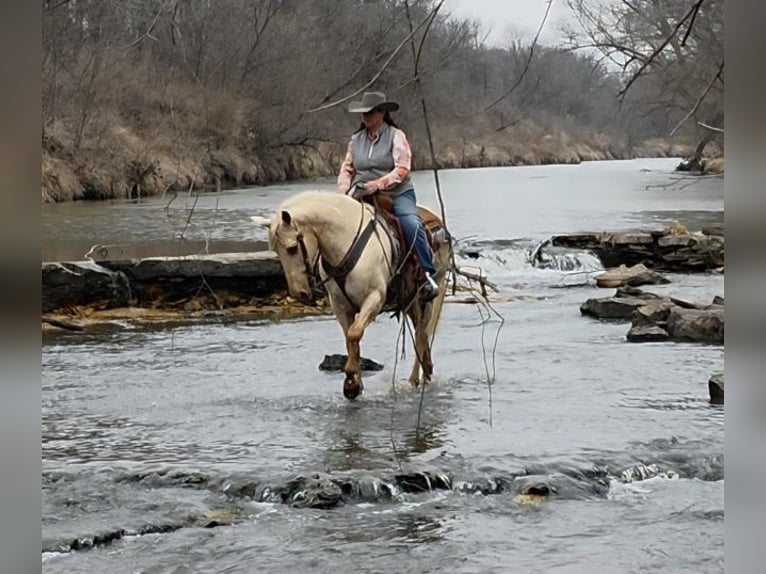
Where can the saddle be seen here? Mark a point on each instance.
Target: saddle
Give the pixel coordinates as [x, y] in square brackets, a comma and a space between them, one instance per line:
[404, 284]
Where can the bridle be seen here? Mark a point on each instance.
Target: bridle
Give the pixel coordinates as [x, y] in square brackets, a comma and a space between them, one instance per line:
[310, 268]
[339, 272]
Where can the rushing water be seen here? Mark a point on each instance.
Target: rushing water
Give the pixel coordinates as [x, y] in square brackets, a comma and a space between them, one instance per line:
[161, 446]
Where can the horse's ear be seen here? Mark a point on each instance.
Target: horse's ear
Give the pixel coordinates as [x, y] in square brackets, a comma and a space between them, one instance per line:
[286, 219]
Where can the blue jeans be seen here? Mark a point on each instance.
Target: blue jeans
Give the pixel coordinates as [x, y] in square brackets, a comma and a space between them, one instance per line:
[405, 209]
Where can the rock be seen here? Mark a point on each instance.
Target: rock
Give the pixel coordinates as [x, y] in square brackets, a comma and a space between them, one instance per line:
[692, 164]
[676, 241]
[671, 249]
[697, 325]
[621, 306]
[716, 229]
[423, 480]
[314, 491]
[717, 300]
[627, 238]
[262, 264]
[630, 276]
[647, 333]
[669, 318]
[715, 387]
[630, 291]
[652, 313]
[611, 307]
[162, 281]
[337, 362]
[83, 283]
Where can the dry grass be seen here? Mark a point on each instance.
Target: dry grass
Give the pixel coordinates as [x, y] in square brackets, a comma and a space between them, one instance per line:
[152, 134]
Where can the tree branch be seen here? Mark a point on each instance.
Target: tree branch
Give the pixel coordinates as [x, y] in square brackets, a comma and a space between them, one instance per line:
[381, 70]
[657, 51]
[528, 62]
[148, 33]
[708, 127]
[691, 23]
[699, 100]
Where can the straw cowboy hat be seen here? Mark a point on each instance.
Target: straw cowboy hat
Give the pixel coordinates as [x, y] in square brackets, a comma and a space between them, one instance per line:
[373, 101]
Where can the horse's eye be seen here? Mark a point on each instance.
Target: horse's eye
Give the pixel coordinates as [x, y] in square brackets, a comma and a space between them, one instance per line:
[292, 250]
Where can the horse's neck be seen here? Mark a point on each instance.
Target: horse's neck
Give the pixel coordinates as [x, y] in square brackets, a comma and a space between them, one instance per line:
[335, 228]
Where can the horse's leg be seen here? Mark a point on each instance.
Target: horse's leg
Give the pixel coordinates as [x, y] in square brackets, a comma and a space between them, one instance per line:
[431, 312]
[420, 342]
[353, 385]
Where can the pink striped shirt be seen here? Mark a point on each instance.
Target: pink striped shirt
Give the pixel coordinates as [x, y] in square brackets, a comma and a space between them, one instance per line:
[402, 164]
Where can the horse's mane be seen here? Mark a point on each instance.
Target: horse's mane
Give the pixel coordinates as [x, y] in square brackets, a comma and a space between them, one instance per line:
[306, 204]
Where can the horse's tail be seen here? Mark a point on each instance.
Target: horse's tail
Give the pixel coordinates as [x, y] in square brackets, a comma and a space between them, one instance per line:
[443, 262]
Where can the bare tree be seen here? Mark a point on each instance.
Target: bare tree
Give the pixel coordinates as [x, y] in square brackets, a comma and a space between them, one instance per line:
[671, 51]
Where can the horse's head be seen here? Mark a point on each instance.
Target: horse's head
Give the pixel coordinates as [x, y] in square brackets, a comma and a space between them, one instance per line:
[297, 251]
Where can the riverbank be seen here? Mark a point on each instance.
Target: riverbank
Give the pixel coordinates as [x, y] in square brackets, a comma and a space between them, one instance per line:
[124, 165]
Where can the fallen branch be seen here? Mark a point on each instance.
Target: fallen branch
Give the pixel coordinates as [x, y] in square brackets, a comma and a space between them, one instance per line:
[67, 325]
[480, 279]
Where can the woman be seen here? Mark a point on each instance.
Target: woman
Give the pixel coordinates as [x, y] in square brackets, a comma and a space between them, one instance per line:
[378, 159]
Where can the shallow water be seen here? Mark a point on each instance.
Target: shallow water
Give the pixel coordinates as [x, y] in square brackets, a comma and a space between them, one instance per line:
[148, 430]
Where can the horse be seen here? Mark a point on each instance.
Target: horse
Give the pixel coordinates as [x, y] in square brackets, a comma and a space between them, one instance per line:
[332, 241]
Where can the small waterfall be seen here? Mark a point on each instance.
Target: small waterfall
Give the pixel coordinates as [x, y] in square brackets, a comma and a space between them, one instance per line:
[523, 257]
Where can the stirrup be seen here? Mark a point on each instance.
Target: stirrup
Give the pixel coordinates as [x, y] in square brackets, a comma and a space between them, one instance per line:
[429, 289]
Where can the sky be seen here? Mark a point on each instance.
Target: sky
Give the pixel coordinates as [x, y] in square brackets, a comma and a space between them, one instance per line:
[506, 19]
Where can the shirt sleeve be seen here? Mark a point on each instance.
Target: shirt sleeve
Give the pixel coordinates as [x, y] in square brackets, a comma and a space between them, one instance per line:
[347, 171]
[402, 161]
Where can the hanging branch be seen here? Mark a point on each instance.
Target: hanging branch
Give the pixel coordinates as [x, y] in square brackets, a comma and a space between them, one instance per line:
[709, 127]
[527, 63]
[483, 300]
[700, 100]
[419, 88]
[148, 33]
[381, 70]
[691, 22]
[658, 50]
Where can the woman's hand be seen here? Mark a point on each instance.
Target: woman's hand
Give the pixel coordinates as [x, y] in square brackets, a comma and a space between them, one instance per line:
[373, 186]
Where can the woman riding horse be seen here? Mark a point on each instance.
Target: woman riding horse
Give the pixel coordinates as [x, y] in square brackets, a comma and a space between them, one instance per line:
[378, 159]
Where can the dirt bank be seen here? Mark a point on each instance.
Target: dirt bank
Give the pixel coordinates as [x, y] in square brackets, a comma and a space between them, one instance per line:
[121, 164]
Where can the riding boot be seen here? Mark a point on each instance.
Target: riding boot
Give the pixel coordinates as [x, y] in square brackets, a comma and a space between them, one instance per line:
[429, 289]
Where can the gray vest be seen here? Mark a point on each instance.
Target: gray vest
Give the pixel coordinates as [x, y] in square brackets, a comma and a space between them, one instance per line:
[375, 159]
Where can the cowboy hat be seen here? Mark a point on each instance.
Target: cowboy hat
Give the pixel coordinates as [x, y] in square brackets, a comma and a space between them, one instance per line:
[373, 101]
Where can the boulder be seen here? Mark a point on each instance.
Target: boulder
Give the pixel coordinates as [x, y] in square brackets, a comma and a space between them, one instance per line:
[652, 313]
[337, 363]
[631, 276]
[672, 249]
[229, 278]
[69, 284]
[697, 325]
[647, 333]
[621, 306]
[715, 388]
[716, 229]
[655, 318]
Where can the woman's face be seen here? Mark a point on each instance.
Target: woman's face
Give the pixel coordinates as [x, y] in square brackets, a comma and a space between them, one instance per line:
[372, 119]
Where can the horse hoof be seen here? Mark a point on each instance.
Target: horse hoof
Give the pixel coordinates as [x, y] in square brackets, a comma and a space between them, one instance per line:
[352, 389]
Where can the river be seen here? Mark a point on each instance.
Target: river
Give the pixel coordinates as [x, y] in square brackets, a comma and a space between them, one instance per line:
[160, 445]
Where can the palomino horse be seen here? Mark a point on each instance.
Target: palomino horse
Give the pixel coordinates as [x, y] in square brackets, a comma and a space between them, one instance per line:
[344, 243]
